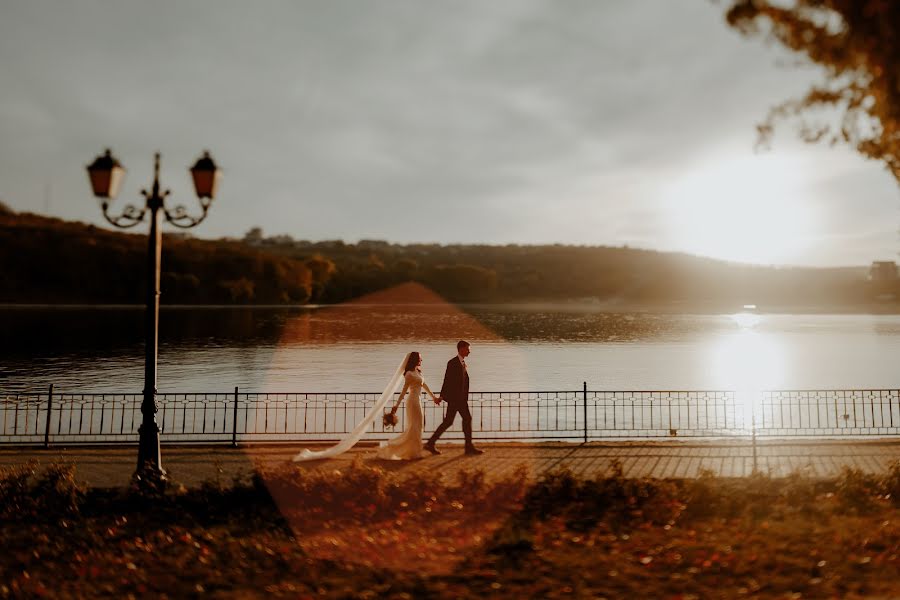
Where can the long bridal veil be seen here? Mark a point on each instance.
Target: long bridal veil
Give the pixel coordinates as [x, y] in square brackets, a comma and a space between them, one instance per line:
[354, 436]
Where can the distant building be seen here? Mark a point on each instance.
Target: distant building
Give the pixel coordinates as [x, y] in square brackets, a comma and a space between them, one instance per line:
[883, 271]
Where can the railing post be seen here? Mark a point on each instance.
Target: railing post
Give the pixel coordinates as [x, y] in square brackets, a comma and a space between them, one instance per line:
[234, 420]
[49, 413]
[585, 413]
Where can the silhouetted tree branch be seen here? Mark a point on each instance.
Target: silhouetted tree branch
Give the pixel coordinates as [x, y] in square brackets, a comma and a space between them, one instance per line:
[857, 42]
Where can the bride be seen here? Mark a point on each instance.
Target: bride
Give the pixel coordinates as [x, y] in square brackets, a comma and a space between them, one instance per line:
[407, 445]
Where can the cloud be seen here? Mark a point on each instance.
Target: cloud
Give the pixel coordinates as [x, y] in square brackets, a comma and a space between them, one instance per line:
[508, 121]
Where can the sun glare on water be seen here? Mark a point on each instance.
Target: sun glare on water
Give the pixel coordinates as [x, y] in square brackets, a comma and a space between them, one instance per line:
[749, 209]
[747, 361]
[745, 320]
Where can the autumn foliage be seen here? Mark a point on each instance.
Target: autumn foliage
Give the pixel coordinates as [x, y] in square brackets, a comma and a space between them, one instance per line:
[363, 532]
[857, 43]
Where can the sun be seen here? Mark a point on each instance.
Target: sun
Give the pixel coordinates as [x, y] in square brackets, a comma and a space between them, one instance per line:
[752, 208]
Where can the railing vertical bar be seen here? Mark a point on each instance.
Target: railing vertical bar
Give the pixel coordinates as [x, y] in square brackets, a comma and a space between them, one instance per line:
[102, 415]
[49, 412]
[306, 414]
[890, 406]
[27, 412]
[706, 408]
[518, 417]
[670, 414]
[632, 414]
[556, 415]
[234, 419]
[753, 431]
[69, 430]
[872, 408]
[6, 410]
[584, 405]
[837, 419]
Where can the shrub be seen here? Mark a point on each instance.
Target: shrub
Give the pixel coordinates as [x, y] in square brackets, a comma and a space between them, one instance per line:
[856, 490]
[614, 499]
[15, 497]
[56, 491]
[890, 483]
[27, 494]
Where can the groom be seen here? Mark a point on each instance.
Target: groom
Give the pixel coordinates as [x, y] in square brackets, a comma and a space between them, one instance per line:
[456, 392]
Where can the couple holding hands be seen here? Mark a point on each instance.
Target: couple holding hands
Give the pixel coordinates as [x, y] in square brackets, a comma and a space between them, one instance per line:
[408, 445]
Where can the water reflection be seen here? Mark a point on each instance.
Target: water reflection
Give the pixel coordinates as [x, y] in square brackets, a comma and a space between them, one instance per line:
[748, 361]
[746, 320]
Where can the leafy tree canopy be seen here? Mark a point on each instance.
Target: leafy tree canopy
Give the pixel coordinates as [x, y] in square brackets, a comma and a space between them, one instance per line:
[858, 44]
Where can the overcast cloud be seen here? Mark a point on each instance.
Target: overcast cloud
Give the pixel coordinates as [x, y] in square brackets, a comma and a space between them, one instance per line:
[500, 122]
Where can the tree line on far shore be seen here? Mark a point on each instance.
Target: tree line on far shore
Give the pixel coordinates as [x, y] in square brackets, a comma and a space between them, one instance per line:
[610, 276]
[44, 260]
[54, 261]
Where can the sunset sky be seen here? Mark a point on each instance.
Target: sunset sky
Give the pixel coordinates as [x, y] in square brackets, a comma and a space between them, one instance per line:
[530, 122]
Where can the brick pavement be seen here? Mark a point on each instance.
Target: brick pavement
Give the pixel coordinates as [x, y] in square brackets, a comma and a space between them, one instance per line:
[191, 465]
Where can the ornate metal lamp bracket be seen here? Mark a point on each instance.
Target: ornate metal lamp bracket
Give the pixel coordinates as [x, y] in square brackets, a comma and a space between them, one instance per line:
[179, 216]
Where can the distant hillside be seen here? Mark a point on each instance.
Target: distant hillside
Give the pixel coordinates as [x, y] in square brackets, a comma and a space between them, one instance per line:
[608, 276]
[54, 261]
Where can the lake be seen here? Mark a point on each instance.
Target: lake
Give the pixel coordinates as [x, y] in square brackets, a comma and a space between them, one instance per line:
[355, 348]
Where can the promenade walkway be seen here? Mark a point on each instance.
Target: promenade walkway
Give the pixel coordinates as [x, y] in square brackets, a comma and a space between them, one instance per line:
[191, 465]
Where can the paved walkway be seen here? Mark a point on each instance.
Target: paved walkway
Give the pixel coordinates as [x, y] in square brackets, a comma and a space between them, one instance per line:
[191, 465]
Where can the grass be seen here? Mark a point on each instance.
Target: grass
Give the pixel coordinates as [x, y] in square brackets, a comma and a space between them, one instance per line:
[365, 533]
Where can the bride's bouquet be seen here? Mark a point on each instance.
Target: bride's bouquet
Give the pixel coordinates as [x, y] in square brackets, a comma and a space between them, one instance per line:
[389, 419]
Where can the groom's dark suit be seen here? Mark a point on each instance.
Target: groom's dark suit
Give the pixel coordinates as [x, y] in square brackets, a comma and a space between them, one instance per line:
[455, 391]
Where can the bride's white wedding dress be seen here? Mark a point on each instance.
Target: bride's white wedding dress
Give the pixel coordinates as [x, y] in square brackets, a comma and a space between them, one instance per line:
[408, 445]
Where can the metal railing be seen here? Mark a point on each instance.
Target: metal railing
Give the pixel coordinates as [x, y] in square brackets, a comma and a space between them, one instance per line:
[828, 412]
[241, 417]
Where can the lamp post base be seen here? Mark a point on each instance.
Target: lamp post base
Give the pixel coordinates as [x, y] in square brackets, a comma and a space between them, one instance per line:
[149, 467]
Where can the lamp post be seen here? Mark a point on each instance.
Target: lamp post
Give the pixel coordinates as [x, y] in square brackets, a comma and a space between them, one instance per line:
[106, 175]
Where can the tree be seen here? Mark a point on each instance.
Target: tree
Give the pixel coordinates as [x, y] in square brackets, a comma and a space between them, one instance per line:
[280, 240]
[238, 291]
[858, 44]
[406, 269]
[463, 282]
[254, 236]
[322, 269]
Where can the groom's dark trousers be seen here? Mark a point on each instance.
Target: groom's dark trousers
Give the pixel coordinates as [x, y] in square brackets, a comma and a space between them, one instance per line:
[455, 391]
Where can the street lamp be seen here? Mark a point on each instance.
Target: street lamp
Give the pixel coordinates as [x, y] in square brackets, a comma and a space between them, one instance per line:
[106, 175]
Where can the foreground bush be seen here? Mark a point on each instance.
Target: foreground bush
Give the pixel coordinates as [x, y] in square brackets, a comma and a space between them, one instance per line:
[365, 533]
